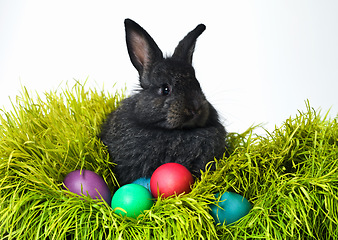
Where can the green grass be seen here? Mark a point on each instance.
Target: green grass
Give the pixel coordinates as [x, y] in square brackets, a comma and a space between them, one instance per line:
[290, 176]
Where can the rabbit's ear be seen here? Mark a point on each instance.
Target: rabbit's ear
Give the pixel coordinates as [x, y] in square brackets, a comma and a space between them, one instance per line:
[186, 46]
[142, 49]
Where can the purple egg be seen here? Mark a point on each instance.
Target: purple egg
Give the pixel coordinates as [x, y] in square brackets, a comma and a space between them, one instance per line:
[87, 182]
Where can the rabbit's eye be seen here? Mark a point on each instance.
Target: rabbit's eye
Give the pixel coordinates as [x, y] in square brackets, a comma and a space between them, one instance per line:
[165, 90]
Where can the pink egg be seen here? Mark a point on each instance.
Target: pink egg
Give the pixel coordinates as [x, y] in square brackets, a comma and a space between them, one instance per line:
[88, 183]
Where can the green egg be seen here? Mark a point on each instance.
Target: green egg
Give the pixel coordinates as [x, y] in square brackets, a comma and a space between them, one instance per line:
[131, 200]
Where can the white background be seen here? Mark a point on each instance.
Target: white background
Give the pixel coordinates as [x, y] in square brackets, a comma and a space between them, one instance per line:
[257, 61]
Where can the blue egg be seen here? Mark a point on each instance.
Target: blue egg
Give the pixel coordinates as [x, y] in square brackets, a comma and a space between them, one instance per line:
[231, 207]
[145, 182]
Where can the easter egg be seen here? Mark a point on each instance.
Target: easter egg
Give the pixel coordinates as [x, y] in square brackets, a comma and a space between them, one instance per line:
[131, 200]
[231, 207]
[170, 179]
[87, 183]
[145, 182]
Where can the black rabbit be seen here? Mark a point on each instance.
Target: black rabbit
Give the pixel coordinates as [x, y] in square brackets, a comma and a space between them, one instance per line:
[169, 119]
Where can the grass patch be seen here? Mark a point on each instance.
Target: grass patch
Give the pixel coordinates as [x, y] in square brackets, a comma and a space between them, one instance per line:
[290, 176]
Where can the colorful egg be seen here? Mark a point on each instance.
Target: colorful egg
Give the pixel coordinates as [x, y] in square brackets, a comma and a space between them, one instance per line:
[87, 183]
[170, 179]
[145, 182]
[231, 207]
[131, 200]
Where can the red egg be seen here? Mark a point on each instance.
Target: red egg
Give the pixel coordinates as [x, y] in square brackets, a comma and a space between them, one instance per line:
[170, 179]
[88, 183]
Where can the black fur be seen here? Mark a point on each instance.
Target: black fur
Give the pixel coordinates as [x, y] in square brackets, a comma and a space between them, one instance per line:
[169, 120]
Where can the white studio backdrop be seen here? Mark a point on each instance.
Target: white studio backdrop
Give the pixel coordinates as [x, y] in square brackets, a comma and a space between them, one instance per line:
[257, 61]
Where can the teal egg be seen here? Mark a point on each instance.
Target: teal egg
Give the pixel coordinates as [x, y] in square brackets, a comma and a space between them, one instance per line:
[231, 207]
[145, 182]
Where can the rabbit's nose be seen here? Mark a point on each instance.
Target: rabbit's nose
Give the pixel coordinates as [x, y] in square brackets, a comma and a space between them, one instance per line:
[194, 107]
[195, 111]
[196, 104]
[192, 111]
[195, 116]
